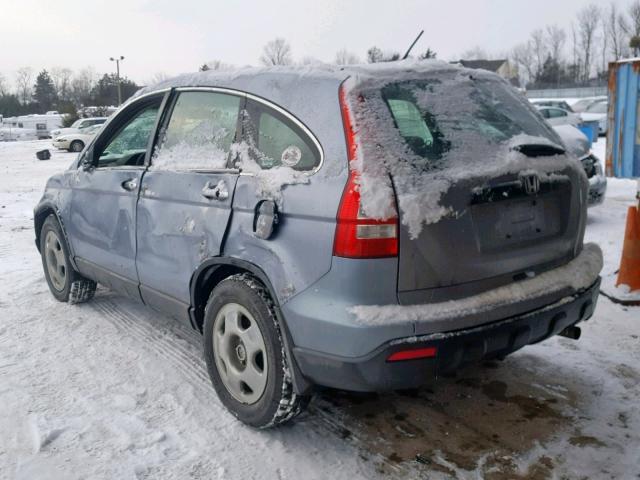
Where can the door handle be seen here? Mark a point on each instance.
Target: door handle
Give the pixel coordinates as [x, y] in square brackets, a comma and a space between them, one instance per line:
[216, 192]
[130, 184]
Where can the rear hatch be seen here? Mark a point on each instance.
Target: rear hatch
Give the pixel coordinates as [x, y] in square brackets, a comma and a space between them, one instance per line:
[486, 193]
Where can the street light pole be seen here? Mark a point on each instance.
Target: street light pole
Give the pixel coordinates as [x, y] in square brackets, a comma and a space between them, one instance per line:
[117, 60]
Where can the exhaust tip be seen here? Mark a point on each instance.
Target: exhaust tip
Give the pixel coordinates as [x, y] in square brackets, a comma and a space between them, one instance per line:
[571, 332]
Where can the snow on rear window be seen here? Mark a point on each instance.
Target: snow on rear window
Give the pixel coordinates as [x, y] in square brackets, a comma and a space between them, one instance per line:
[430, 129]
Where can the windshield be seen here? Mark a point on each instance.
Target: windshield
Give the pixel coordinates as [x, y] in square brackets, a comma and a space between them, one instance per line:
[77, 123]
[598, 108]
[460, 113]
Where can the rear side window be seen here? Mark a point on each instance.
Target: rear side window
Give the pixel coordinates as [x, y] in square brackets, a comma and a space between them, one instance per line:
[200, 132]
[277, 140]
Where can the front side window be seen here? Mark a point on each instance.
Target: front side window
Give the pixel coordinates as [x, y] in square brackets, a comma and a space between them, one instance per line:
[200, 132]
[128, 146]
[275, 140]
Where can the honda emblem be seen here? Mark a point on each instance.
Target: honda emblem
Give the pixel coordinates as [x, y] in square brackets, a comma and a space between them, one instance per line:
[530, 183]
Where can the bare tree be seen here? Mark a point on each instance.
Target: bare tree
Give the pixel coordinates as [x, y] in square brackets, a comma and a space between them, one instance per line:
[539, 47]
[522, 56]
[475, 53]
[276, 52]
[23, 81]
[345, 57]
[216, 65]
[616, 28]
[61, 78]
[157, 78]
[588, 21]
[556, 39]
[4, 89]
[633, 26]
[81, 86]
[309, 60]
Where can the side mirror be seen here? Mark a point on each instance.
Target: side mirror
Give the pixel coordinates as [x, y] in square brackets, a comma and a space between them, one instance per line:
[86, 162]
[265, 220]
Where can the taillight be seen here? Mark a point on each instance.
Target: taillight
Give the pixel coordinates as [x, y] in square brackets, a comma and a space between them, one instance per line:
[358, 236]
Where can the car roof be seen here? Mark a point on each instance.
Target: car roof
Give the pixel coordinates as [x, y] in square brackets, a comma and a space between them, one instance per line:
[269, 78]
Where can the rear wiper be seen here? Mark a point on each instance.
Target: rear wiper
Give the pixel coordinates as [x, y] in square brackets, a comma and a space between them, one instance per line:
[538, 149]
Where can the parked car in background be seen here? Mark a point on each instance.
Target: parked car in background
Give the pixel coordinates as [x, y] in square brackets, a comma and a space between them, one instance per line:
[334, 228]
[558, 116]
[78, 125]
[552, 103]
[578, 144]
[584, 103]
[597, 112]
[75, 142]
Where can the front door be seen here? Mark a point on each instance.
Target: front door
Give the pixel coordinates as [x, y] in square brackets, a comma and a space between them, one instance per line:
[186, 195]
[104, 196]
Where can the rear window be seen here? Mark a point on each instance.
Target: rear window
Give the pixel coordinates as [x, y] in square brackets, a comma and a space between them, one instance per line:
[598, 108]
[456, 114]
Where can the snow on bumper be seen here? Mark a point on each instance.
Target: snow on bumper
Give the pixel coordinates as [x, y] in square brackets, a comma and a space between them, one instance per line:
[576, 275]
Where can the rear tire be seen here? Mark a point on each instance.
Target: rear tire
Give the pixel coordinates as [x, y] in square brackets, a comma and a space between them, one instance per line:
[76, 146]
[65, 283]
[245, 354]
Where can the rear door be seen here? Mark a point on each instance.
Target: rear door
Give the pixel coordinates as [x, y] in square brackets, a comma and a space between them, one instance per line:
[186, 195]
[504, 223]
[104, 195]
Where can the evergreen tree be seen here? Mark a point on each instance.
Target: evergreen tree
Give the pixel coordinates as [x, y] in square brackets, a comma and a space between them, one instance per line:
[375, 55]
[428, 54]
[44, 93]
[10, 106]
[105, 93]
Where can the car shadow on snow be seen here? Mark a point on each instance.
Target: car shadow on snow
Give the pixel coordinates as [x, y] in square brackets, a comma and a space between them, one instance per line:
[480, 420]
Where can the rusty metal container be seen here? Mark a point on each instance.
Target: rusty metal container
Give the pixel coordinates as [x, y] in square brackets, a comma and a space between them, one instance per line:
[623, 119]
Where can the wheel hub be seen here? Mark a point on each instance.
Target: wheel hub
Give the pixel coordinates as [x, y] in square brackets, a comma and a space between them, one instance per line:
[240, 353]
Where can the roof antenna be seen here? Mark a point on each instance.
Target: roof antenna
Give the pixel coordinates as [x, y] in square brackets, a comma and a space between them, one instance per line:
[414, 42]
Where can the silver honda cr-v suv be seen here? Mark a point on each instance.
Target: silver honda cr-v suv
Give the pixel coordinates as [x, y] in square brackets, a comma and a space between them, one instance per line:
[363, 228]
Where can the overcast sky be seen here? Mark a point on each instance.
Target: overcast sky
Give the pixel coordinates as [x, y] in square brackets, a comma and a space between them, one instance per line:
[171, 36]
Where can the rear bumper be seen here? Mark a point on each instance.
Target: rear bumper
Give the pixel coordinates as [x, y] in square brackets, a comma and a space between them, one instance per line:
[497, 339]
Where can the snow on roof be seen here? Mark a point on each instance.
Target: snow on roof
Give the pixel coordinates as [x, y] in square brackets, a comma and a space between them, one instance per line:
[213, 78]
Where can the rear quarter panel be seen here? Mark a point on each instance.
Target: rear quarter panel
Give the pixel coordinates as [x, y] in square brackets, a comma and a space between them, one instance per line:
[300, 251]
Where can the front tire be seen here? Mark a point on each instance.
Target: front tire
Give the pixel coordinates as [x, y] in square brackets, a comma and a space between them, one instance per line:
[245, 355]
[65, 283]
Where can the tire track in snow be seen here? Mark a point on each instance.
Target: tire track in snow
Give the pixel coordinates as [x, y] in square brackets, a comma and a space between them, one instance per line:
[157, 341]
[321, 415]
[326, 417]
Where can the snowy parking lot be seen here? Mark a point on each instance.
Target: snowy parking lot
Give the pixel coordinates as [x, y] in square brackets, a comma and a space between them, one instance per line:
[110, 389]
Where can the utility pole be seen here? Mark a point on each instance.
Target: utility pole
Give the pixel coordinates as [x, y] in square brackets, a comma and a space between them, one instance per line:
[118, 60]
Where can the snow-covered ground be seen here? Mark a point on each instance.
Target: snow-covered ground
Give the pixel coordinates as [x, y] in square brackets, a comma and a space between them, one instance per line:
[110, 389]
